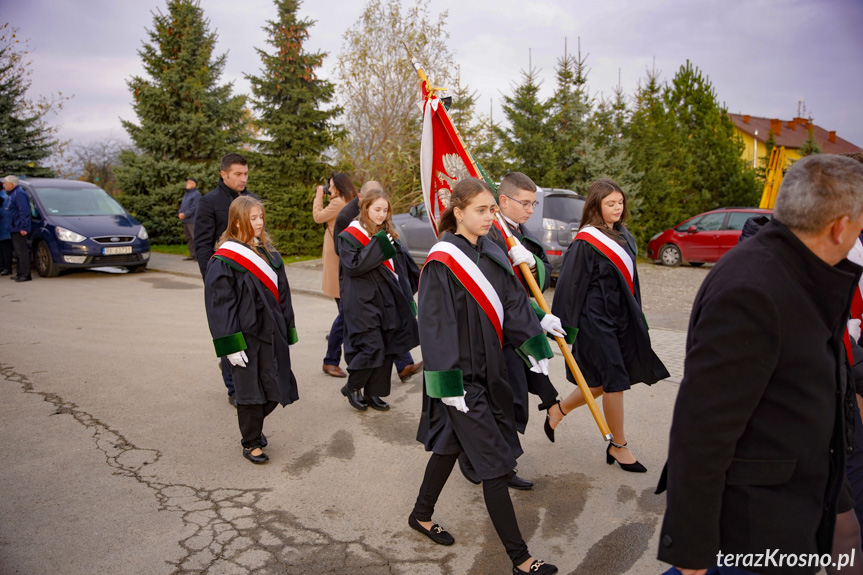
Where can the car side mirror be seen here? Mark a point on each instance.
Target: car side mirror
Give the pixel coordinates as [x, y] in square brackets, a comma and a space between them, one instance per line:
[691, 229]
[414, 211]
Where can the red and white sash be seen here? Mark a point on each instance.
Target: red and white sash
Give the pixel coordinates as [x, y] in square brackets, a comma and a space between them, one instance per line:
[473, 280]
[612, 250]
[855, 256]
[251, 261]
[359, 233]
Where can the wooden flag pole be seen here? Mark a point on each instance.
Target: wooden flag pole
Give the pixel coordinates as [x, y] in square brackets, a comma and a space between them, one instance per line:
[564, 347]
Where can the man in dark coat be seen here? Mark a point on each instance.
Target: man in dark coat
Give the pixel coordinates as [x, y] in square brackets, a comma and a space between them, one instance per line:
[19, 226]
[211, 221]
[756, 450]
[405, 364]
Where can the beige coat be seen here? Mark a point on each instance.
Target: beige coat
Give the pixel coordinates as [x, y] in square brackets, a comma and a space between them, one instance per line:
[327, 215]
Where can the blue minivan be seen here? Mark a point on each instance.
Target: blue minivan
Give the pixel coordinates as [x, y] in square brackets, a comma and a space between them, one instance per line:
[80, 225]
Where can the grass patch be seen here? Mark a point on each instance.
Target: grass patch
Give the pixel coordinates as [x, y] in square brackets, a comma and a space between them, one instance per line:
[181, 250]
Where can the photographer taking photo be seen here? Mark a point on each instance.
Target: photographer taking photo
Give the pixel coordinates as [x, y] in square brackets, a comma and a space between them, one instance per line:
[341, 190]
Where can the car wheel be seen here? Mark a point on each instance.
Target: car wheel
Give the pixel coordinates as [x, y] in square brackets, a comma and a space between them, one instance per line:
[669, 255]
[137, 269]
[44, 262]
[696, 264]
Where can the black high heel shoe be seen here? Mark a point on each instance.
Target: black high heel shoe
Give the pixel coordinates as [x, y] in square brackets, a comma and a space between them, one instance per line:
[611, 460]
[549, 430]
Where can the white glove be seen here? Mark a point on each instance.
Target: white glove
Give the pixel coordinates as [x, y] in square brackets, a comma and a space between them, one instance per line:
[854, 329]
[551, 324]
[538, 367]
[518, 254]
[456, 402]
[390, 238]
[239, 359]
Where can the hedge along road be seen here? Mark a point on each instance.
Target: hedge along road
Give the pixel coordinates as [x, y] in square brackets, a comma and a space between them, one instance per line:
[120, 453]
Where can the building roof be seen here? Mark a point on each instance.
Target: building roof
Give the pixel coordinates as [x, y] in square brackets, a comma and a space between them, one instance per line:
[792, 133]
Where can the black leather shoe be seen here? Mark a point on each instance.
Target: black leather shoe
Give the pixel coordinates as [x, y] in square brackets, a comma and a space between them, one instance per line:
[5, 273]
[517, 482]
[376, 403]
[467, 469]
[538, 567]
[631, 467]
[257, 459]
[437, 533]
[24, 279]
[355, 398]
[263, 441]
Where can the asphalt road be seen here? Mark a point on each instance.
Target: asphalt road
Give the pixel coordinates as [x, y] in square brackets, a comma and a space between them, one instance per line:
[120, 453]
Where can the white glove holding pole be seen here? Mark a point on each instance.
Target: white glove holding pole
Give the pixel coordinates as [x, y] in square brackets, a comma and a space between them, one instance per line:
[540, 366]
[239, 358]
[518, 254]
[854, 329]
[456, 402]
[552, 324]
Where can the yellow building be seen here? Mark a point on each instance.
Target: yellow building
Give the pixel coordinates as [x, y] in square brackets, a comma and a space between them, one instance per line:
[789, 133]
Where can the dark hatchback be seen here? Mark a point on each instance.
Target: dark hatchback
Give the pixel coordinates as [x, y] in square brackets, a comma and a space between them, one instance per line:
[554, 223]
[79, 225]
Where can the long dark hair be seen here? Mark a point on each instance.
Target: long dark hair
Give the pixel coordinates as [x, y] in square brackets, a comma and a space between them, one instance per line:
[462, 193]
[591, 215]
[344, 185]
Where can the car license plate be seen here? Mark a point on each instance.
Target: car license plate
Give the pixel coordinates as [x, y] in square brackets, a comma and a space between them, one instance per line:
[116, 250]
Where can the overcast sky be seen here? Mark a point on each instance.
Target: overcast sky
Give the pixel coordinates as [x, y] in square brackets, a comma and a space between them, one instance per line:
[762, 56]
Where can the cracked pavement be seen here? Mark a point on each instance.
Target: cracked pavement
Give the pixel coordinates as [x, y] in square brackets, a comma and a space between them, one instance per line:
[120, 454]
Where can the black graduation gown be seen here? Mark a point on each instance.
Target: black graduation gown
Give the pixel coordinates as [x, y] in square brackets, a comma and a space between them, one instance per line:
[379, 310]
[593, 301]
[522, 380]
[242, 312]
[457, 336]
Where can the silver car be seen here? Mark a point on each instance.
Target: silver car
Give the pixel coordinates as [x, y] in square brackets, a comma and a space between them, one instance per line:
[554, 223]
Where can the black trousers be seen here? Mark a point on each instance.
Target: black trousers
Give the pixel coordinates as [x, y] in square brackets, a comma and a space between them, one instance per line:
[6, 256]
[21, 245]
[374, 381]
[189, 233]
[497, 503]
[251, 418]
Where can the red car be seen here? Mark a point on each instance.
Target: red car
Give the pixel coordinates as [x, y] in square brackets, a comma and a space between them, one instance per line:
[703, 238]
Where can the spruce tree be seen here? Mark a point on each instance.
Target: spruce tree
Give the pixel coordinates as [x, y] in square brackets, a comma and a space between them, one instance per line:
[296, 122]
[186, 119]
[570, 108]
[713, 173]
[655, 155]
[25, 141]
[527, 140]
[810, 146]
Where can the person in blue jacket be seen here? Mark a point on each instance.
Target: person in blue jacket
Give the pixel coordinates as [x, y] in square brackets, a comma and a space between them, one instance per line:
[19, 228]
[5, 237]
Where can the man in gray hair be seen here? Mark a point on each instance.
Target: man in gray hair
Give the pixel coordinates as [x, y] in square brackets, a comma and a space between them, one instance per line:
[756, 450]
[19, 228]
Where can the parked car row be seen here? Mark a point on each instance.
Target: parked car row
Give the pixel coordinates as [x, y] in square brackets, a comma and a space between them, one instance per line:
[79, 225]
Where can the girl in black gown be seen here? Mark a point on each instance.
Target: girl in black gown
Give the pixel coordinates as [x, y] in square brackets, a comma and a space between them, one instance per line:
[251, 318]
[469, 299]
[377, 283]
[598, 299]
